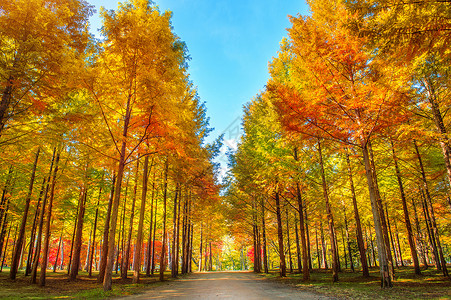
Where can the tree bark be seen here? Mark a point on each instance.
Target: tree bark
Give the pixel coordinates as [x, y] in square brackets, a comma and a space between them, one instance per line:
[163, 250]
[149, 240]
[360, 244]
[429, 206]
[41, 223]
[174, 270]
[142, 210]
[59, 248]
[94, 233]
[106, 228]
[283, 270]
[265, 254]
[20, 238]
[75, 265]
[330, 218]
[47, 227]
[386, 280]
[410, 238]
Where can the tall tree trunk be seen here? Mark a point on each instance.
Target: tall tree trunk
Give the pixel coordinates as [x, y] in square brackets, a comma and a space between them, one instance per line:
[265, 254]
[94, 233]
[106, 229]
[108, 279]
[330, 218]
[200, 248]
[37, 253]
[142, 210]
[152, 268]
[399, 244]
[412, 246]
[349, 245]
[19, 242]
[288, 241]
[45, 253]
[121, 238]
[163, 250]
[33, 229]
[283, 270]
[4, 204]
[391, 238]
[75, 265]
[298, 246]
[418, 236]
[381, 213]
[6, 246]
[126, 259]
[58, 251]
[174, 270]
[386, 280]
[360, 244]
[323, 247]
[439, 123]
[432, 214]
[149, 240]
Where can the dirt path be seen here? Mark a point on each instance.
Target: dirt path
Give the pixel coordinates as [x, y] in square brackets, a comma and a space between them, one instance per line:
[224, 285]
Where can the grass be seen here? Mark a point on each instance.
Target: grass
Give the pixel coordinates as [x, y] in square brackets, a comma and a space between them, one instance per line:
[58, 286]
[430, 285]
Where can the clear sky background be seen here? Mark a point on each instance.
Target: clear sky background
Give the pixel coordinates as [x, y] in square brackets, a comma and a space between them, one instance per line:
[230, 43]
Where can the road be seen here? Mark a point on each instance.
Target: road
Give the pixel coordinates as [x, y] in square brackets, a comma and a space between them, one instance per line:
[224, 285]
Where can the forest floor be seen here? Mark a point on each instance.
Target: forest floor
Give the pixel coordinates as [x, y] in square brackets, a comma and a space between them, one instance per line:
[243, 285]
[430, 285]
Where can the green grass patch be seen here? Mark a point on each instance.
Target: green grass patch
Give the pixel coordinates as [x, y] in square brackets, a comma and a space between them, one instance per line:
[58, 286]
[430, 285]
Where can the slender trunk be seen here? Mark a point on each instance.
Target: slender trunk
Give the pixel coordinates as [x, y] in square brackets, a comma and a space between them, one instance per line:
[142, 210]
[108, 279]
[265, 255]
[58, 251]
[418, 236]
[283, 271]
[6, 247]
[41, 223]
[348, 242]
[174, 270]
[391, 238]
[318, 254]
[432, 214]
[323, 246]
[330, 218]
[47, 227]
[288, 242]
[439, 123]
[298, 246]
[33, 229]
[399, 244]
[153, 237]
[360, 244]
[75, 265]
[149, 240]
[177, 246]
[383, 222]
[307, 234]
[410, 238]
[386, 280]
[163, 249]
[20, 238]
[126, 258]
[121, 238]
[106, 228]
[94, 233]
[200, 248]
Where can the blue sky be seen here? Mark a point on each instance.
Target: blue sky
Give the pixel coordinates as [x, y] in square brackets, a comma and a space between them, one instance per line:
[230, 43]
